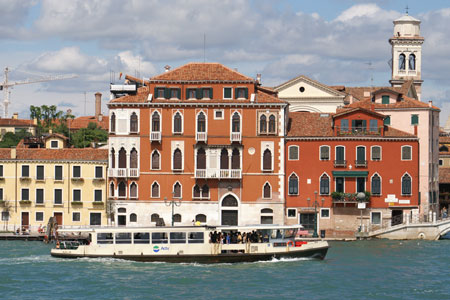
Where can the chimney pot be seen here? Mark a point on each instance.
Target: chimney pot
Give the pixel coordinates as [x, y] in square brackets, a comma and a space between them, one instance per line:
[167, 68]
[430, 103]
[15, 116]
[98, 104]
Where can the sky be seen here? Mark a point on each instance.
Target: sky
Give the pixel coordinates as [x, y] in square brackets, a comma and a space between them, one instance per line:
[337, 42]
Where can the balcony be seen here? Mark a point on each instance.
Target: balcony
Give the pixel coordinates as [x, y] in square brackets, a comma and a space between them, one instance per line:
[201, 137]
[344, 198]
[123, 172]
[340, 163]
[134, 172]
[359, 131]
[218, 173]
[236, 137]
[361, 163]
[155, 136]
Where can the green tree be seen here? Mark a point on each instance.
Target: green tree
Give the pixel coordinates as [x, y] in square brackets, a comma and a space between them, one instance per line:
[85, 136]
[11, 139]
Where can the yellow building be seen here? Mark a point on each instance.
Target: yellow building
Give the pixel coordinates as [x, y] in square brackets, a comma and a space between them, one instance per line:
[38, 183]
[15, 124]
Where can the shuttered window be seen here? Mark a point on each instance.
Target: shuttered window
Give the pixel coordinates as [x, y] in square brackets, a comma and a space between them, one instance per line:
[324, 185]
[406, 185]
[293, 152]
[98, 196]
[387, 120]
[293, 185]
[344, 125]
[227, 93]
[177, 159]
[324, 152]
[376, 153]
[58, 196]
[98, 172]
[384, 99]
[76, 171]
[376, 185]
[340, 153]
[40, 173]
[373, 125]
[76, 195]
[414, 119]
[406, 153]
[40, 196]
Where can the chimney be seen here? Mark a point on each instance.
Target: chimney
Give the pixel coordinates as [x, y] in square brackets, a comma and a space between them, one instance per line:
[98, 104]
[167, 68]
[13, 153]
[430, 103]
[258, 78]
[15, 116]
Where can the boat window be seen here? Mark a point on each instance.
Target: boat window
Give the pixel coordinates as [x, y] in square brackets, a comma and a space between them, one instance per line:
[196, 238]
[290, 233]
[123, 238]
[178, 237]
[141, 238]
[159, 238]
[276, 234]
[104, 238]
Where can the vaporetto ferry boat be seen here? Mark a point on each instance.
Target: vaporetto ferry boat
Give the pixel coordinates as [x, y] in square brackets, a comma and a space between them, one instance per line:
[200, 244]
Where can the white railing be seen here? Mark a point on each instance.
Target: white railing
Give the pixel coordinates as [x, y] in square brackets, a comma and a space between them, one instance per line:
[200, 173]
[155, 136]
[133, 172]
[236, 137]
[201, 137]
[123, 172]
[218, 173]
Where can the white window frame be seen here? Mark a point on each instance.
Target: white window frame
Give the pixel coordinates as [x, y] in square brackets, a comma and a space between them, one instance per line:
[335, 151]
[2, 194]
[365, 152]
[137, 190]
[298, 152]
[96, 212]
[51, 144]
[76, 212]
[101, 190]
[227, 87]
[231, 121]
[223, 114]
[43, 216]
[21, 171]
[335, 183]
[376, 212]
[263, 190]
[173, 122]
[287, 213]
[43, 196]
[138, 125]
[206, 121]
[401, 185]
[151, 121]
[73, 195]
[181, 190]
[159, 163]
[62, 173]
[329, 183]
[151, 190]
[171, 161]
[73, 167]
[329, 213]
[95, 172]
[401, 153]
[371, 153]
[62, 197]
[43, 167]
[298, 184]
[21, 194]
[320, 152]
[381, 185]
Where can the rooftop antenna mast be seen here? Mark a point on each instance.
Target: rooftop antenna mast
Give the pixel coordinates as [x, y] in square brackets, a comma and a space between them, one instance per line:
[371, 72]
[407, 9]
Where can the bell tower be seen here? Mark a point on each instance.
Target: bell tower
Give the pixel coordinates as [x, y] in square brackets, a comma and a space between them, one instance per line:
[407, 53]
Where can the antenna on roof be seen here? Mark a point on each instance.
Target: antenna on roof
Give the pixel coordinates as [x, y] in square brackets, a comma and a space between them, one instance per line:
[84, 103]
[204, 47]
[406, 8]
[371, 72]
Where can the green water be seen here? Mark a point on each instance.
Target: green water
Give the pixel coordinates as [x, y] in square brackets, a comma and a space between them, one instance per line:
[352, 270]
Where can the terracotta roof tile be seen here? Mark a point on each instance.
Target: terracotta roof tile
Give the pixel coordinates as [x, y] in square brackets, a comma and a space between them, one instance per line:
[73, 154]
[16, 122]
[405, 103]
[83, 122]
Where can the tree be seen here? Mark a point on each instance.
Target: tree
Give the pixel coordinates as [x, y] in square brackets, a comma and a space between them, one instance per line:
[11, 139]
[85, 136]
[46, 116]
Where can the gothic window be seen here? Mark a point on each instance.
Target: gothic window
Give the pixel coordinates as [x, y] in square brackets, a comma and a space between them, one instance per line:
[111, 189]
[205, 191]
[406, 185]
[324, 185]
[201, 159]
[133, 159]
[272, 125]
[133, 190]
[155, 160]
[155, 190]
[236, 123]
[401, 62]
[376, 185]
[177, 159]
[200, 218]
[267, 160]
[113, 123]
[122, 189]
[133, 218]
[262, 124]
[177, 123]
[293, 185]
[113, 158]
[229, 201]
[201, 122]
[224, 159]
[177, 190]
[412, 62]
[267, 191]
[177, 218]
[122, 158]
[196, 192]
[156, 122]
[133, 123]
[235, 159]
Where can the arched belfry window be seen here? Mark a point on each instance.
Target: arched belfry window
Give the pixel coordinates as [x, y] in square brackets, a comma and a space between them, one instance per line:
[156, 122]
[412, 62]
[401, 62]
[236, 123]
[113, 123]
[133, 123]
[201, 122]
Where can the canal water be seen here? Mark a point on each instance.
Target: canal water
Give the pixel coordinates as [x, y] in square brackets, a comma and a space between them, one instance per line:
[375, 269]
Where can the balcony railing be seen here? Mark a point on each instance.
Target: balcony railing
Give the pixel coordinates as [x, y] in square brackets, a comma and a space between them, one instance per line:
[340, 163]
[358, 131]
[236, 137]
[201, 137]
[361, 163]
[155, 136]
[123, 172]
[134, 172]
[218, 173]
[339, 197]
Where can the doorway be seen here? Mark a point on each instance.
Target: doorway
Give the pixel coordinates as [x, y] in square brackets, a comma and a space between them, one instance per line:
[59, 218]
[397, 217]
[122, 220]
[25, 220]
[229, 210]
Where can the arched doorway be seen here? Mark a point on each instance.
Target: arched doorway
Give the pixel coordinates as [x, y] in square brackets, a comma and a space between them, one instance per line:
[229, 210]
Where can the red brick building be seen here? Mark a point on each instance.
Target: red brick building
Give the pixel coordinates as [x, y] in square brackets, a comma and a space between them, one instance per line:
[332, 157]
[203, 136]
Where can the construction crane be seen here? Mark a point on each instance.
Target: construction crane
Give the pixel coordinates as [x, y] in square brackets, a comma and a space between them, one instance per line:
[7, 84]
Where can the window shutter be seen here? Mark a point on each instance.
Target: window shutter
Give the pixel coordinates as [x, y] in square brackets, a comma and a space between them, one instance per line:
[353, 124]
[227, 93]
[167, 93]
[364, 124]
[414, 119]
[246, 93]
[155, 95]
[387, 120]
[211, 93]
[198, 93]
[179, 93]
[236, 93]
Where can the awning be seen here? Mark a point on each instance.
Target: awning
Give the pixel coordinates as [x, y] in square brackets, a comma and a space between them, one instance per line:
[350, 173]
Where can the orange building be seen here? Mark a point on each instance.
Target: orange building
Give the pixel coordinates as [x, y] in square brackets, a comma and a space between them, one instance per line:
[202, 141]
[330, 158]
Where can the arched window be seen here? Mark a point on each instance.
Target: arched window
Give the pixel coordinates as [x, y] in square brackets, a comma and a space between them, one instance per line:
[324, 185]
[196, 191]
[201, 122]
[443, 148]
[154, 218]
[266, 211]
[113, 158]
[412, 62]
[156, 122]
[122, 189]
[177, 159]
[376, 185]
[235, 159]
[267, 160]
[155, 160]
[133, 190]
[224, 159]
[133, 218]
[177, 123]
[266, 216]
[200, 218]
[133, 158]
[177, 218]
[205, 191]
[293, 185]
[406, 185]
[272, 125]
[112, 127]
[155, 190]
[401, 62]
[122, 210]
[229, 201]
[201, 159]
[267, 191]
[122, 158]
[177, 190]
[111, 189]
[133, 123]
[262, 124]
[236, 123]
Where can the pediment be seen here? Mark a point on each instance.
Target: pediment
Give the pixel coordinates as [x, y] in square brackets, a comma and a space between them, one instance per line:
[304, 87]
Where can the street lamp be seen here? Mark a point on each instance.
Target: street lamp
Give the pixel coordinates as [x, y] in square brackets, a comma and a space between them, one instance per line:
[315, 204]
[172, 203]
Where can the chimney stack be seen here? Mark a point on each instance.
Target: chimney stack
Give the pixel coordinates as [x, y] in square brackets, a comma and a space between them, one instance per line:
[15, 116]
[430, 103]
[258, 78]
[98, 104]
[167, 68]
